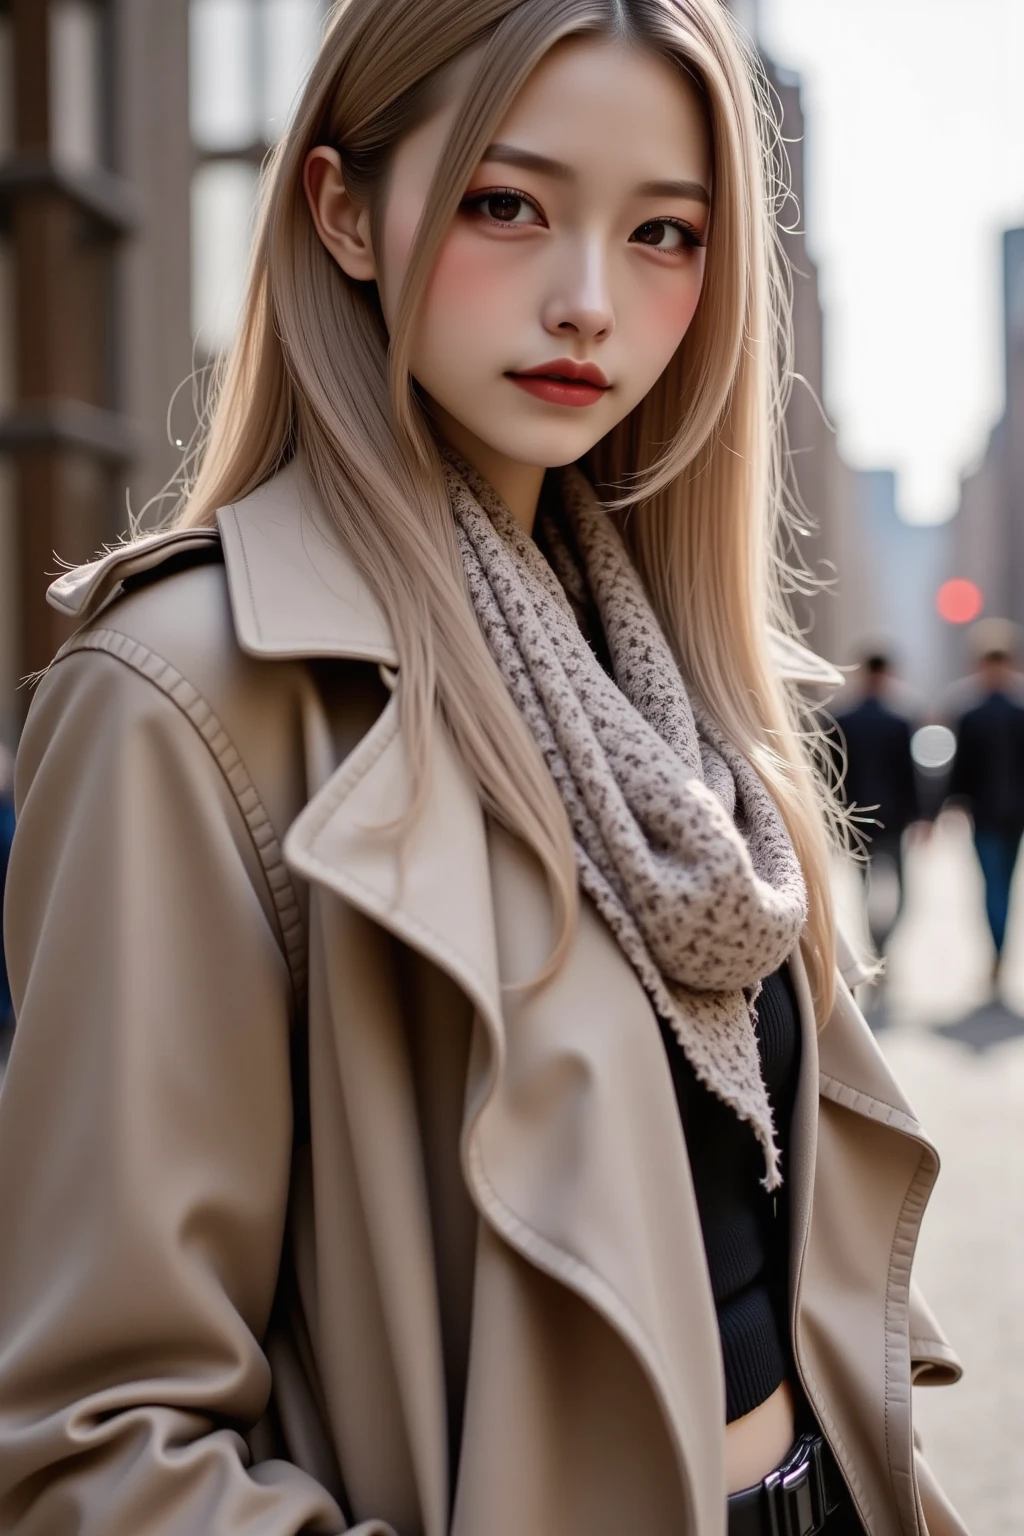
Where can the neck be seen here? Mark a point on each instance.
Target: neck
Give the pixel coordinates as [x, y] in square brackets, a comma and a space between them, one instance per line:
[518, 485]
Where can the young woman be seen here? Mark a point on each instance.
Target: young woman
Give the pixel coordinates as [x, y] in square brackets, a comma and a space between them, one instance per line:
[418, 1120]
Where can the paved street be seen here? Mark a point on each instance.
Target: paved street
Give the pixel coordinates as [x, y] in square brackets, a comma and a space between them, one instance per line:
[961, 1061]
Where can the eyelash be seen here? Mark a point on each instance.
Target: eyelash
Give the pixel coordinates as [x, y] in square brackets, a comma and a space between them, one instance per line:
[691, 239]
[474, 203]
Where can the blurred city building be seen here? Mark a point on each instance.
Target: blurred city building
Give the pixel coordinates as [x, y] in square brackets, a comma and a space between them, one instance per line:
[989, 526]
[94, 175]
[909, 562]
[835, 609]
[131, 135]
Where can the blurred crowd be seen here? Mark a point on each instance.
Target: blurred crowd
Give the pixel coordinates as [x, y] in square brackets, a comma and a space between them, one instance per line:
[901, 768]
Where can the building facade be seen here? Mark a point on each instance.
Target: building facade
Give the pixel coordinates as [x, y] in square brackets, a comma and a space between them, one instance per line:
[131, 135]
[94, 164]
[988, 544]
[836, 606]
[909, 563]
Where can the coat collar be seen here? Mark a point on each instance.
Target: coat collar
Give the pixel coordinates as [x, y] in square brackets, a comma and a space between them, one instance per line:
[296, 593]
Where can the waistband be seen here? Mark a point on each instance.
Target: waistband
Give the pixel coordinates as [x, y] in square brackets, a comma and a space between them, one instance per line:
[796, 1499]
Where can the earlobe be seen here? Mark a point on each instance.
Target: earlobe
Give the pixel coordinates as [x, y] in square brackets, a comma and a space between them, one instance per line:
[342, 224]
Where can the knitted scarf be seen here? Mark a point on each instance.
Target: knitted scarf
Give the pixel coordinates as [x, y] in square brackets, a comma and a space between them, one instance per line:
[678, 843]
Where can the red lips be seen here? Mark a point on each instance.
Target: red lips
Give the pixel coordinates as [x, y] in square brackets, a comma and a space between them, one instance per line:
[566, 368]
[562, 382]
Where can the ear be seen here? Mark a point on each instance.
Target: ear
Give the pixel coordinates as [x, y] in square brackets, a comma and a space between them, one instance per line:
[343, 225]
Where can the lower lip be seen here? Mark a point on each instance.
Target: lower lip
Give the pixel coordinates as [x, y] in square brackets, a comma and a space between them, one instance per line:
[558, 391]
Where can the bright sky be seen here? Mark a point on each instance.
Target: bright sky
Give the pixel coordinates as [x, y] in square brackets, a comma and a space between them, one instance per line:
[915, 146]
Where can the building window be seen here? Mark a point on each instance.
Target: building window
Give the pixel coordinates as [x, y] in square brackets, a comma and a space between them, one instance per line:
[223, 198]
[248, 60]
[79, 131]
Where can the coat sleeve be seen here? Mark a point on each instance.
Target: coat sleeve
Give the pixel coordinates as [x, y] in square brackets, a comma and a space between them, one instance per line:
[145, 1134]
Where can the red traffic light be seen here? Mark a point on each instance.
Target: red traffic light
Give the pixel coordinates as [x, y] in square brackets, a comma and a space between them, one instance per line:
[959, 601]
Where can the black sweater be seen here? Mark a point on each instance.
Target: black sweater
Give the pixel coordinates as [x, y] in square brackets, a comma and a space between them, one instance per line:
[746, 1231]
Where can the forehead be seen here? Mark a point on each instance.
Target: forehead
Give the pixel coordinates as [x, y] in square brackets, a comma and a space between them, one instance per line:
[615, 109]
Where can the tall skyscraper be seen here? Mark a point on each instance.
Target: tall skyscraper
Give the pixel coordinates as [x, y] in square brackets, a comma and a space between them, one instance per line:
[834, 611]
[989, 526]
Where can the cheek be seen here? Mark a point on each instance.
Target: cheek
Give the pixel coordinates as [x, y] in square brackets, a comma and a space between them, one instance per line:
[665, 313]
[470, 279]
[464, 320]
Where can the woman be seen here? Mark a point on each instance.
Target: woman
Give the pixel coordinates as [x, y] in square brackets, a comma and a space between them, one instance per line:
[421, 926]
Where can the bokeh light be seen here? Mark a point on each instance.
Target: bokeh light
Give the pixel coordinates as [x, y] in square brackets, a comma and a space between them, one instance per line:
[932, 747]
[959, 601]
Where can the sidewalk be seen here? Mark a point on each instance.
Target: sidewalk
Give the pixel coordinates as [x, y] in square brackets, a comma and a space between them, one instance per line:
[960, 1059]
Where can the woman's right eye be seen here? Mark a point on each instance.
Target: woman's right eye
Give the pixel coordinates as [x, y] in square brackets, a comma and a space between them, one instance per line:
[505, 207]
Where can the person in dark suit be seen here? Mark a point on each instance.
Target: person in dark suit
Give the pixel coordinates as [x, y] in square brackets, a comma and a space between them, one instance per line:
[988, 774]
[879, 781]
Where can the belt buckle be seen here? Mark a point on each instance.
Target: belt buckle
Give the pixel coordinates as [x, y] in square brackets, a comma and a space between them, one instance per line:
[794, 1493]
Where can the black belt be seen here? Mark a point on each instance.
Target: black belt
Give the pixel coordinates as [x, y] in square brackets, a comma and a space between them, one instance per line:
[794, 1500]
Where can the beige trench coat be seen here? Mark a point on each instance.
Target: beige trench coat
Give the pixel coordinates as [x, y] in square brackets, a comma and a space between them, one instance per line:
[462, 1288]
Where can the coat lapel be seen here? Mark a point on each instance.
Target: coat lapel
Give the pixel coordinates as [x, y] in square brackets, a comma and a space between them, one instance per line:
[336, 844]
[571, 1144]
[575, 1086]
[618, 1225]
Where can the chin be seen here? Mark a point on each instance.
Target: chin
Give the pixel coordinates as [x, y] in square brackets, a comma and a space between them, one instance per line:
[549, 452]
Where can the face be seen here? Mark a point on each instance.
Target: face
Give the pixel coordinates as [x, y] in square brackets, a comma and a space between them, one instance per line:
[573, 267]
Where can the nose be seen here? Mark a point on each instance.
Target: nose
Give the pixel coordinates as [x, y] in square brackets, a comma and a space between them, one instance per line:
[580, 302]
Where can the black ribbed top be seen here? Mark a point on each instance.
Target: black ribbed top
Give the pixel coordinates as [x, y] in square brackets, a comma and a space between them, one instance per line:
[745, 1230]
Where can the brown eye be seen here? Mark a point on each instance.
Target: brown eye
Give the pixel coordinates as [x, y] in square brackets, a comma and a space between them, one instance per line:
[666, 237]
[503, 207]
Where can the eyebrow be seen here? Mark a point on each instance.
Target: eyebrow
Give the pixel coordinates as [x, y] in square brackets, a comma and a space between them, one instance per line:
[529, 160]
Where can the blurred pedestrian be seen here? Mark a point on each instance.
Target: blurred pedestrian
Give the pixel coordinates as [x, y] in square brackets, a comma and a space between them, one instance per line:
[6, 838]
[879, 782]
[988, 770]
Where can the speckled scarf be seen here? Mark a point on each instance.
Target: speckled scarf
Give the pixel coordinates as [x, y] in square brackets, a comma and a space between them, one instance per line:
[678, 843]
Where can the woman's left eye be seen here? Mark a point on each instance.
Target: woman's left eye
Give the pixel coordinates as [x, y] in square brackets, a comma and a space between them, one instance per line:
[666, 235]
[504, 206]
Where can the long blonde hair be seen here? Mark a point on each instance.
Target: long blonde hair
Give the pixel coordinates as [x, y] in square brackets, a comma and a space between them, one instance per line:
[694, 474]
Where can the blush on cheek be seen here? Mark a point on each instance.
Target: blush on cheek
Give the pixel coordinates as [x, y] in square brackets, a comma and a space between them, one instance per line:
[671, 313]
[468, 271]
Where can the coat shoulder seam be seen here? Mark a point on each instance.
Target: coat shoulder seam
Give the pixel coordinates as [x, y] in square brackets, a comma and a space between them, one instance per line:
[179, 691]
